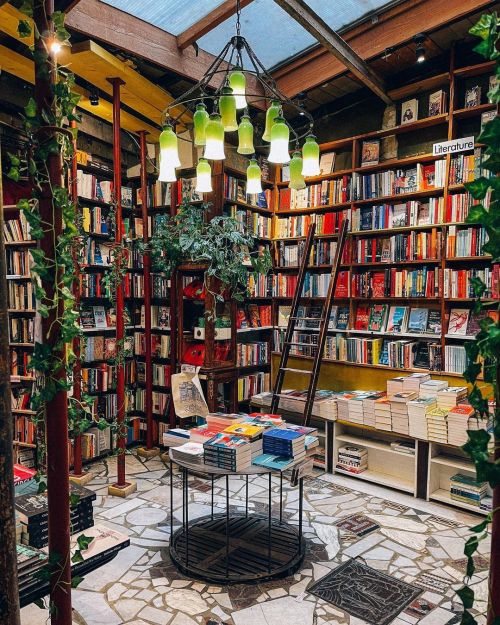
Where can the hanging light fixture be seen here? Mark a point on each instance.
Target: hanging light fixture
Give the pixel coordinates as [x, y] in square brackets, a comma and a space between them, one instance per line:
[240, 86]
[227, 108]
[297, 181]
[169, 155]
[310, 157]
[245, 136]
[214, 133]
[280, 137]
[253, 178]
[200, 120]
[203, 176]
[272, 112]
[238, 83]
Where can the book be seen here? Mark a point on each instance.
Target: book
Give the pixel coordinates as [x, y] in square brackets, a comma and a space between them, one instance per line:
[396, 321]
[472, 97]
[370, 153]
[409, 111]
[437, 103]
[434, 322]
[487, 117]
[272, 461]
[343, 318]
[417, 321]
[100, 317]
[326, 163]
[362, 317]
[378, 316]
[459, 318]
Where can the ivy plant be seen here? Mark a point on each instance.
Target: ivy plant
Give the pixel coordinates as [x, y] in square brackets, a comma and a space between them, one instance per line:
[483, 445]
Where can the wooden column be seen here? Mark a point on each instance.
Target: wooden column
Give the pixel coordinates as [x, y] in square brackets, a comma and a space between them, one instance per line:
[56, 409]
[150, 450]
[9, 602]
[121, 487]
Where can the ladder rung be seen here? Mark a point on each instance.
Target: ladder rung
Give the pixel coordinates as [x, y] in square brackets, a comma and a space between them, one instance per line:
[305, 371]
[301, 344]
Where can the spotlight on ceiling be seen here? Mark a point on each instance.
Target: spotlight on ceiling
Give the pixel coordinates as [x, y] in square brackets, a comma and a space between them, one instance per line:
[419, 47]
[94, 98]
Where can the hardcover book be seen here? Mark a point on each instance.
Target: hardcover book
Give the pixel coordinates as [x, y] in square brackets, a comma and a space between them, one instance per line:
[437, 103]
[417, 321]
[100, 317]
[397, 319]
[459, 318]
[370, 153]
[343, 318]
[409, 111]
[377, 318]
[472, 97]
[327, 163]
[362, 317]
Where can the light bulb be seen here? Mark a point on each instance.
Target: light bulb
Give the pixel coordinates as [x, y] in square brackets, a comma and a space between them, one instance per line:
[310, 157]
[253, 178]
[297, 181]
[227, 107]
[169, 153]
[200, 120]
[245, 136]
[280, 136]
[55, 46]
[272, 112]
[214, 133]
[237, 82]
[203, 176]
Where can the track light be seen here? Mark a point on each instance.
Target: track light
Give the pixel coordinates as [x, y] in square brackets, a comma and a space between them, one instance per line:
[420, 48]
[94, 98]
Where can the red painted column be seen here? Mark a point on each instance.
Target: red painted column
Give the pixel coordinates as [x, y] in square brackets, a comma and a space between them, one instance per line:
[146, 259]
[56, 410]
[77, 367]
[120, 326]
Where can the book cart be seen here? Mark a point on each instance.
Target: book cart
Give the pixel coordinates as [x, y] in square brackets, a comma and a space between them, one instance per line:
[235, 546]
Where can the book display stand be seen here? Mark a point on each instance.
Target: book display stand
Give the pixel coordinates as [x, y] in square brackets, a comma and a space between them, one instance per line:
[237, 545]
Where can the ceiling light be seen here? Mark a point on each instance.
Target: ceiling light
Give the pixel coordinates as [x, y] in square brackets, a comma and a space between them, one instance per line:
[203, 176]
[420, 48]
[253, 178]
[310, 157]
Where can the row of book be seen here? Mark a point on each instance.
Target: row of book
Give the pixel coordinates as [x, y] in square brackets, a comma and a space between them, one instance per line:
[254, 353]
[160, 373]
[397, 319]
[157, 194]
[160, 345]
[160, 402]
[298, 225]
[20, 295]
[254, 316]
[459, 204]
[96, 442]
[290, 254]
[249, 385]
[252, 222]
[98, 379]
[459, 283]
[259, 285]
[18, 262]
[91, 187]
[16, 230]
[467, 167]
[464, 242]
[386, 216]
[24, 430]
[400, 181]
[235, 190]
[398, 248]
[96, 220]
[325, 193]
[99, 348]
[456, 358]
[19, 361]
[20, 398]
[422, 282]
[21, 329]
[466, 489]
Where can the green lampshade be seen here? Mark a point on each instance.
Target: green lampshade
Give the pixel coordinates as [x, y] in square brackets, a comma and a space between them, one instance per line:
[272, 112]
[203, 176]
[227, 107]
[245, 136]
[253, 178]
[297, 181]
[214, 133]
[169, 154]
[280, 137]
[310, 157]
[237, 82]
[200, 119]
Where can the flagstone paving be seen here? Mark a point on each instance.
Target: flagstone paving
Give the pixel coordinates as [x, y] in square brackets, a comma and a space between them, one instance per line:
[416, 542]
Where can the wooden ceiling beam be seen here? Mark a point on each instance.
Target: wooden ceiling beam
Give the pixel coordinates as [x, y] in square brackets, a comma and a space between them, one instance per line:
[126, 32]
[394, 27]
[209, 22]
[334, 43]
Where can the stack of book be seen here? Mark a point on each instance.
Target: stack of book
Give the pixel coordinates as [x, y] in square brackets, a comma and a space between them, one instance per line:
[437, 425]
[356, 409]
[399, 411]
[175, 437]
[412, 382]
[33, 513]
[30, 562]
[417, 411]
[24, 480]
[431, 388]
[352, 458]
[190, 452]
[460, 419]
[284, 442]
[451, 396]
[228, 452]
[466, 489]
[383, 419]
[404, 447]
[220, 421]
[369, 403]
[203, 433]
[395, 385]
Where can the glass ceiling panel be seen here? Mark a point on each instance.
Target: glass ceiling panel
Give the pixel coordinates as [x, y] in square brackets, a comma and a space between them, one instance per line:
[173, 16]
[275, 36]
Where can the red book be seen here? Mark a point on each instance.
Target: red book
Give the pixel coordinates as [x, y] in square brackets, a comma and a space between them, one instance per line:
[342, 286]
[285, 197]
[362, 317]
[378, 284]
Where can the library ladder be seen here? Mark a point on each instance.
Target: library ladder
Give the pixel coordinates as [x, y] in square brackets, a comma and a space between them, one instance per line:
[322, 329]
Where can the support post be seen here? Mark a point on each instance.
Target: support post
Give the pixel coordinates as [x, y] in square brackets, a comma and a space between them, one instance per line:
[149, 451]
[78, 476]
[121, 487]
[9, 599]
[56, 409]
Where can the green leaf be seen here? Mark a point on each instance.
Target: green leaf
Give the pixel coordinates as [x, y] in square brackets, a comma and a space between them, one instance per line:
[30, 108]
[84, 542]
[24, 29]
[77, 557]
[76, 581]
[466, 594]
[13, 174]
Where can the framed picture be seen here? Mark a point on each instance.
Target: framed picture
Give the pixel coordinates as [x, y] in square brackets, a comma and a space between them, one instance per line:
[370, 153]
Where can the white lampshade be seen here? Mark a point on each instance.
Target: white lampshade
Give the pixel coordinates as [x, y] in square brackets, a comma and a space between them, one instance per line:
[169, 152]
[214, 137]
[310, 157]
[166, 173]
[203, 177]
[280, 137]
[254, 185]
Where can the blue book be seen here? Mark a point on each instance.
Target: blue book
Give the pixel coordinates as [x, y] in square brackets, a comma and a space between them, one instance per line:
[272, 461]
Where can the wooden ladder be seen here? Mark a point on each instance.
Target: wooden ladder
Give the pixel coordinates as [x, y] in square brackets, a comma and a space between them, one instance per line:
[323, 321]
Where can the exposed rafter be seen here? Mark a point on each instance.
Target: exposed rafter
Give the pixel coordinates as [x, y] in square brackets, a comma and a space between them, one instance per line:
[209, 22]
[307, 18]
[394, 27]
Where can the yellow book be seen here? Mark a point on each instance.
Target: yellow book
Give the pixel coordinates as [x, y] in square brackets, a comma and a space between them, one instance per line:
[86, 219]
[246, 430]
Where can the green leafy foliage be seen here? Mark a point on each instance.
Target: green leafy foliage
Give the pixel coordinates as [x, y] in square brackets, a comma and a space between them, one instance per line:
[484, 353]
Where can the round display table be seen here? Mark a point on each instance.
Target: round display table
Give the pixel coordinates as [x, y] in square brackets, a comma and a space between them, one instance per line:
[235, 547]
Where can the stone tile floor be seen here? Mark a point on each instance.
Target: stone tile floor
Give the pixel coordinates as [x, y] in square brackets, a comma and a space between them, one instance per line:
[418, 542]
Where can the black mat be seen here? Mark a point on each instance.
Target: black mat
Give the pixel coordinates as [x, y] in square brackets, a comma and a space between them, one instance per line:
[364, 592]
